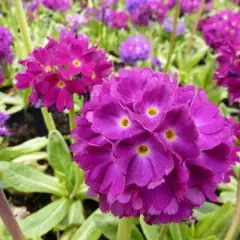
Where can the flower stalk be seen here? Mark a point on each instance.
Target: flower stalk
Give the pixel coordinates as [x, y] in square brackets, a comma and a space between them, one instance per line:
[125, 228]
[236, 218]
[193, 32]
[173, 35]
[8, 218]
[28, 45]
[163, 231]
[72, 122]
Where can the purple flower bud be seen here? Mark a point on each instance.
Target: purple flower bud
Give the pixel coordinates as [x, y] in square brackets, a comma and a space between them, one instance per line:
[6, 54]
[59, 5]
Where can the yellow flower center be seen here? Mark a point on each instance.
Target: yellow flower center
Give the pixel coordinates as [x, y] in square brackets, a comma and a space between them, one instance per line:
[76, 63]
[170, 134]
[61, 84]
[143, 150]
[48, 69]
[93, 75]
[124, 122]
[152, 111]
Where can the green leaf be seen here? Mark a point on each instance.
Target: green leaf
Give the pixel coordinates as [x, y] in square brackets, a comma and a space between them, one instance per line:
[45, 219]
[74, 216]
[205, 209]
[89, 230]
[29, 158]
[108, 224]
[179, 231]
[59, 156]
[27, 179]
[30, 146]
[151, 232]
[217, 220]
[67, 235]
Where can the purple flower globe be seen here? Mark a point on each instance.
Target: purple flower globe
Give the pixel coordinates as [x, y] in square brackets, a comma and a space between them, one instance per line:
[168, 26]
[6, 54]
[135, 48]
[191, 6]
[3, 130]
[59, 5]
[228, 72]
[149, 147]
[77, 20]
[59, 69]
[221, 28]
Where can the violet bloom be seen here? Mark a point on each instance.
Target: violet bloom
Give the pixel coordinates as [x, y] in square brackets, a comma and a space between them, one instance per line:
[117, 19]
[59, 5]
[6, 54]
[135, 48]
[77, 20]
[236, 2]
[156, 63]
[221, 28]
[156, 155]
[145, 10]
[3, 130]
[191, 6]
[228, 72]
[168, 26]
[59, 69]
[32, 5]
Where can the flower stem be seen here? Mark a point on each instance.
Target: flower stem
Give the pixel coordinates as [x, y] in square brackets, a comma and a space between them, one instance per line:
[8, 218]
[236, 218]
[28, 45]
[23, 25]
[48, 119]
[125, 228]
[193, 32]
[173, 35]
[163, 231]
[72, 122]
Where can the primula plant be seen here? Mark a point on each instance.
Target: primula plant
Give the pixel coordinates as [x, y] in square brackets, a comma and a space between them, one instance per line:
[119, 120]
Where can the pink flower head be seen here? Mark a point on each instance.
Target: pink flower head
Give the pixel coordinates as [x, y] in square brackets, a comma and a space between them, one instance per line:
[150, 147]
[221, 28]
[59, 5]
[228, 72]
[62, 68]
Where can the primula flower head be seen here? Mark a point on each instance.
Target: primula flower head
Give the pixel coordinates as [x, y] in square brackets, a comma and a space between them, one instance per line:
[228, 72]
[6, 54]
[191, 6]
[145, 10]
[62, 68]
[150, 147]
[221, 29]
[135, 48]
[59, 5]
[168, 26]
[77, 20]
[3, 130]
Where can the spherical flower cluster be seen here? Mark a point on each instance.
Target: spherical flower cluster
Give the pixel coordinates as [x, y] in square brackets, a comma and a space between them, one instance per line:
[115, 19]
[77, 20]
[31, 5]
[145, 10]
[228, 72]
[59, 69]
[3, 130]
[59, 5]
[135, 48]
[6, 54]
[221, 28]
[168, 26]
[236, 2]
[150, 147]
[191, 6]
